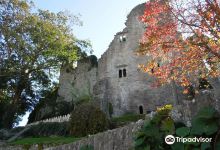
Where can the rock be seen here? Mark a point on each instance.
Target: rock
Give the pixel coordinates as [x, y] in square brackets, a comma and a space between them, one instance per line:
[176, 115]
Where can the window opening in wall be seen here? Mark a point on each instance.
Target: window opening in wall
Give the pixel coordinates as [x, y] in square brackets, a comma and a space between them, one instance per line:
[158, 64]
[152, 70]
[141, 111]
[124, 73]
[67, 70]
[122, 38]
[120, 73]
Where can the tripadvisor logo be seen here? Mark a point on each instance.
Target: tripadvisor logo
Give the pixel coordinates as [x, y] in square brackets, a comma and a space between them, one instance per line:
[170, 139]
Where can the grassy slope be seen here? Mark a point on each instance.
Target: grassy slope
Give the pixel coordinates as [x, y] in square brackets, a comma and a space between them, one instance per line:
[125, 119]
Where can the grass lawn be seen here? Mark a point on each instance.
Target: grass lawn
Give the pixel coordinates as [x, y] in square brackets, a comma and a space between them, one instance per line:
[127, 118]
[44, 140]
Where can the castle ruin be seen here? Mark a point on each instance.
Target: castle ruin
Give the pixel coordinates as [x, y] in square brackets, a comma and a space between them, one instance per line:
[118, 81]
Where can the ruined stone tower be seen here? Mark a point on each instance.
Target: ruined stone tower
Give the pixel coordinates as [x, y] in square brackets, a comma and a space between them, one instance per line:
[116, 80]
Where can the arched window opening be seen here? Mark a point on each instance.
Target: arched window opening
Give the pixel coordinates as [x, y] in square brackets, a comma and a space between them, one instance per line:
[141, 111]
[120, 73]
[124, 73]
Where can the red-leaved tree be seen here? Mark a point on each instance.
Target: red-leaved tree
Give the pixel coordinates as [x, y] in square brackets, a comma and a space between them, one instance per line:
[182, 40]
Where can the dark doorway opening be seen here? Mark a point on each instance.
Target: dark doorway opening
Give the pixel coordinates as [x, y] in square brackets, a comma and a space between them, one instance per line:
[152, 70]
[141, 111]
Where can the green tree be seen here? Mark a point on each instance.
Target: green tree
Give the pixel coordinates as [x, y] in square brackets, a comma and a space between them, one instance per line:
[32, 45]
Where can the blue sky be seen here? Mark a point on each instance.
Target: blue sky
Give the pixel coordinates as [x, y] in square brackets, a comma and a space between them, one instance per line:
[102, 19]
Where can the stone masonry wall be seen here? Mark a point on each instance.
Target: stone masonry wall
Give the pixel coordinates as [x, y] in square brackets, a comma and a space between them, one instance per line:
[128, 93]
[131, 91]
[117, 139]
[77, 82]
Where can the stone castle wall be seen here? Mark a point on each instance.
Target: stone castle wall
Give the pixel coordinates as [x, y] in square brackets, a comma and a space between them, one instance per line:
[132, 91]
[126, 94]
[77, 82]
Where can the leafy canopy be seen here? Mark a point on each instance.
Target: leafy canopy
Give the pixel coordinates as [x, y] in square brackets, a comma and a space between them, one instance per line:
[33, 46]
[181, 40]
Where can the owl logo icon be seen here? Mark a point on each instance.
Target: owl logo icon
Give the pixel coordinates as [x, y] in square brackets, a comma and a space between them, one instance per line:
[169, 139]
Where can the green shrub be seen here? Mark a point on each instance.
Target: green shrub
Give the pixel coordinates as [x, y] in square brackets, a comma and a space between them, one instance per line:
[87, 119]
[8, 117]
[151, 136]
[47, 129]
[204, 124]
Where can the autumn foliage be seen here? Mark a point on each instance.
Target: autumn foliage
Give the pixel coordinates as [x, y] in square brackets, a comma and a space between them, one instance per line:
[181, 40]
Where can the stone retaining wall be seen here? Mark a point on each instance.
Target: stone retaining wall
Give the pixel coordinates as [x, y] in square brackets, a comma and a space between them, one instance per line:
[116, 139]
[64, 118]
